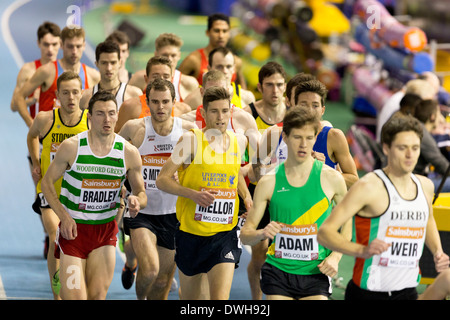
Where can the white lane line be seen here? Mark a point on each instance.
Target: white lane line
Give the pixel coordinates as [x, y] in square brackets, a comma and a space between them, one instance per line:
[2, 290]
[6, 32]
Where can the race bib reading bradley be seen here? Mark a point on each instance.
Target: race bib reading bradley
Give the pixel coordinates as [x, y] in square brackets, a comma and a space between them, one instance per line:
[99, 194]
[222, 209]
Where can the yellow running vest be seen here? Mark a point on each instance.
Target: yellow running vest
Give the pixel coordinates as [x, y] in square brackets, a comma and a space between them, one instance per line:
[211, 171]
[236, 98]
[54, 137]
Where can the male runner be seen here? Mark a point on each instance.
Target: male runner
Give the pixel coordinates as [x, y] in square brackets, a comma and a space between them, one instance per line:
[73, 45]
[208, 163]
[299, 197]
[51, 128]
[107, 60]
[153, 230]
[392, 218]
[94, 165]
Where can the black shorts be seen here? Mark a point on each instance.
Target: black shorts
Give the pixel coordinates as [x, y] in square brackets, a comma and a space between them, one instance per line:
[163, 226]
[196, 254]
[40, 202]
[353, 292]
[277, 282]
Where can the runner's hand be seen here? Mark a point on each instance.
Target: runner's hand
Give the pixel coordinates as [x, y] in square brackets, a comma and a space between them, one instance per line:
[133, 206]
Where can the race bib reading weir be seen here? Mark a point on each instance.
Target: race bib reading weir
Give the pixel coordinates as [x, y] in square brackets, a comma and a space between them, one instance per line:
[98, 194]
[151, 166]
[297, 242]
[222, 209]
[405, 250]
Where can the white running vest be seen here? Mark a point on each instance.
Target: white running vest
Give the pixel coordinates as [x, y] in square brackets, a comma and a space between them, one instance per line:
[176, 81]
[155, 150]
[91, 188]
[403, 225]
[120, 94]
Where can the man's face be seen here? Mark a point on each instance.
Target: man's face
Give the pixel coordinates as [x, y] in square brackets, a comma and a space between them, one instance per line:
[171, 52]
[160, 104]
[49, 46]
[403, 152]
[104, 117]
[300, 142]
[217, 115]
[73, 49]
[69, 95]
[224, 64]
[108, 65]
[219, 34]
[160, 71]
[311, 100]
[272, 89]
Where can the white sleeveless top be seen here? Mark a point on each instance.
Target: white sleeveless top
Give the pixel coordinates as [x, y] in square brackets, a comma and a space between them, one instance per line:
[176, 81]
[120, 94]
[403, 225]
[155, 150]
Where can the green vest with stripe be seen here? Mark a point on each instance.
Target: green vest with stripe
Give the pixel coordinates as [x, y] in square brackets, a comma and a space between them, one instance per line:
[301, 210]
[90, 189]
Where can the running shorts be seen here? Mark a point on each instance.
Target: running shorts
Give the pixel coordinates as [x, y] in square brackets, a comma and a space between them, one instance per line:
[163, 226]
[277, 282]
[89, 237]
[196, 254]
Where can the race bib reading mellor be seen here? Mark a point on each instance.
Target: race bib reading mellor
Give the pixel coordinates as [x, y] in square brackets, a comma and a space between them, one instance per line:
[222, 209]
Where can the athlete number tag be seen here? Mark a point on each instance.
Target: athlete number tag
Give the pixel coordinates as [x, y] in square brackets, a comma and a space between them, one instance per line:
[405, 249]
[99, 194]
[151, 167]
[53, 148]
[222, 209]
[297, 242]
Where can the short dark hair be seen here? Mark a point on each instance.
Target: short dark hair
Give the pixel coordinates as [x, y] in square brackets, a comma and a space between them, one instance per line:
[399, 124]
[160, 85]
[269, 69]
[107, 46]
[217, 16]
[425, 109]
[157, 60]
[314, 86]
[409, 103]
[213, 94]
[119, 37]
[101, 96]
[48, 27]
[222, 50]
[295, 80]
[296, 118]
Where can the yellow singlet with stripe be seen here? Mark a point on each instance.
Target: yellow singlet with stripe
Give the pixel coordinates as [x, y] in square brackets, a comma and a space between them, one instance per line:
[52, 140]
[211, 171]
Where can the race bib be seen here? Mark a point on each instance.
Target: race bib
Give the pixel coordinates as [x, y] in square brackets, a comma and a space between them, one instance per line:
[406, 247]
[53, 148]
[297, 242]
[99, 194]
[151, 167]
[222, 209]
